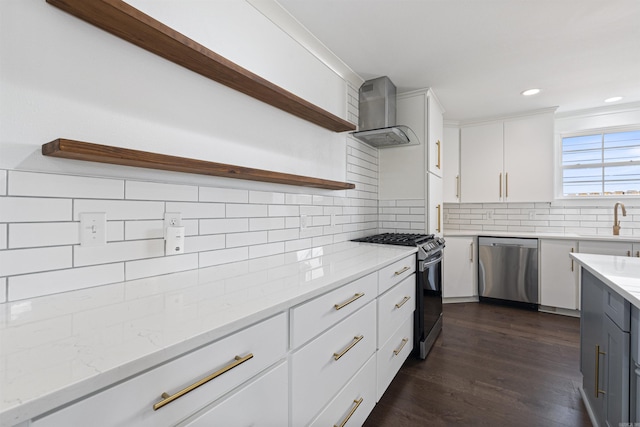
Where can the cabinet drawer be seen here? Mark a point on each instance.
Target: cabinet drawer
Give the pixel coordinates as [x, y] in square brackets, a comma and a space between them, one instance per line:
[617, 308]
[394, 273]
[393, 354]
[317, 376]
[348, 401]
[394, 307]
[313, 317]
[267, 397]
[131, 402]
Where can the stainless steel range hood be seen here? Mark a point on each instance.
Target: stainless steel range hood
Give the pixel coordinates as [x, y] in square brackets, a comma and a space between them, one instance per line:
[377, 116]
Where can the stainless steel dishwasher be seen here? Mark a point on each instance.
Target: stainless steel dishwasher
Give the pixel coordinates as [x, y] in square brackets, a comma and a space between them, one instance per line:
[508, 271]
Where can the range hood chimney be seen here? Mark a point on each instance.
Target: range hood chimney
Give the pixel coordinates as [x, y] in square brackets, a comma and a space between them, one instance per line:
[377, 116]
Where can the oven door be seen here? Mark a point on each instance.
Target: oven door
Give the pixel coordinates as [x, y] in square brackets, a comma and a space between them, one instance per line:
[428, 315]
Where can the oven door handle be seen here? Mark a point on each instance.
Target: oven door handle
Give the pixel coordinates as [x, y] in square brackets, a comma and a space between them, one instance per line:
[428, 263]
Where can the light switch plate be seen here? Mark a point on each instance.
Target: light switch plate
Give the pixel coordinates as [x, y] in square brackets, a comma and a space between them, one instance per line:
[93, 229]
[172, 219]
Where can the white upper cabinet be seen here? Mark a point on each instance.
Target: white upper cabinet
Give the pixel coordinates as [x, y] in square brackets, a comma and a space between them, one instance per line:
[451, 162]
[481, 163]
[434, 205]
[508, 160]
[528, 158]
[435, 138]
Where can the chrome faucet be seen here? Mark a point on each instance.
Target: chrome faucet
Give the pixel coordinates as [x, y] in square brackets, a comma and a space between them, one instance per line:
[616, 223]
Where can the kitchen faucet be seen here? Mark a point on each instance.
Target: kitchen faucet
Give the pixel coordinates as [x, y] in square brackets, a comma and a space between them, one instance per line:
[616, 223]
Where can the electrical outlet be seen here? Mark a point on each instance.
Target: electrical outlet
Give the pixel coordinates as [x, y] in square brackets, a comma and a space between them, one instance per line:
[333, 220]
[304, 222]
[532, 215]
[172, 219]
[489, 214]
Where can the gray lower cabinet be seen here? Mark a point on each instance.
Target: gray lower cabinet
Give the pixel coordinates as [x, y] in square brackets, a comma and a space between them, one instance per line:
[605, 352]
[634, 387]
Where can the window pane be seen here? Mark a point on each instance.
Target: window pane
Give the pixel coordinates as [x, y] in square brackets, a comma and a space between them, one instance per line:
[582, 181]
[579, 150]
[622, 179]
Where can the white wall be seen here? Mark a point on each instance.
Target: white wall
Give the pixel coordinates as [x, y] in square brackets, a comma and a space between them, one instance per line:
[62, 77]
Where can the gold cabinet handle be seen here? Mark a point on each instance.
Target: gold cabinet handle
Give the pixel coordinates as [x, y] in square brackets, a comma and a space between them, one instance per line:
[571, 260]
[399, 349]
[500, 183]
[471, 252]
[506, 185]
[638, 254]
[457, 186]
[166, 398]
[438, 145]
[349, 301]
[401, 303]
[397, 273]
[628, 253]
[351, 412]
[598, 353]
[439, 209]
[355, 341]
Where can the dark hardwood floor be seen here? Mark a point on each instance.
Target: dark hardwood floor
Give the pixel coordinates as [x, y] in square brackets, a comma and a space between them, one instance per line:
[491, 366]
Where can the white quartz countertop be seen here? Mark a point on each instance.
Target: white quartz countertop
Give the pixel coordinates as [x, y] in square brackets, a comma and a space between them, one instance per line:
[58, 348]
[533, 235]
[620, 273]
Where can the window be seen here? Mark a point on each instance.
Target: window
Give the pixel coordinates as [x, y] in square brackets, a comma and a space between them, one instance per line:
[601, 164]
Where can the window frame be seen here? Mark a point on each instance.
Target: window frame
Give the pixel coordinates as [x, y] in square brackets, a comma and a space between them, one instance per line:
[560, 168]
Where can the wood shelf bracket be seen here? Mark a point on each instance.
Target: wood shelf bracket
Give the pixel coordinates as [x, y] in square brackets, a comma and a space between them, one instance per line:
[78, 150]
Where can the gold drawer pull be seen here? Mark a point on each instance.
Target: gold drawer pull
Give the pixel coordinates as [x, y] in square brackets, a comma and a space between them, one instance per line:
[398, 350]
[355, 341]
[353, 410]
[401, 303]
[349, 301]
[397, 273]
[170, 398]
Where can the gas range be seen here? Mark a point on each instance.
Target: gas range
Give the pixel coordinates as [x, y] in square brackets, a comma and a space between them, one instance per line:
[428, 244]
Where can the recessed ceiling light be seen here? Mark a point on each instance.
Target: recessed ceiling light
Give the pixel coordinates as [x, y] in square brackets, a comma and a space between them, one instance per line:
[613, 99]
[530, 92]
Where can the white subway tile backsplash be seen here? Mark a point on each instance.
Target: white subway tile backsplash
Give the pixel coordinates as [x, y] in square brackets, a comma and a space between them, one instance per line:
[3, 237]
[21, 261]
[257, 224]
[246, 239]
[211, 242]
[3, 186]
[138, 190]
[3, 289]
[246, 211]
[158, 266]
[139, 230]
[25, 209]
[44, 234]
[227, 195]
[281, 235]
[223, 256]
[257, 251]
[266, 197]
[39, 229]
[217, 226]
[120, 209]
[117, 252]
[197, 210]
[51, 185]
[51, 282]
[284, 210]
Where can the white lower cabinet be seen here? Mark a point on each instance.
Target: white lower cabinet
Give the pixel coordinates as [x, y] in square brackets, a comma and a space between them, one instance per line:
[558, 274]
[322, 367]
[392, 355]
[241, 356]
[460, 270]
[606, 248]
[354, 402]
[262, 403]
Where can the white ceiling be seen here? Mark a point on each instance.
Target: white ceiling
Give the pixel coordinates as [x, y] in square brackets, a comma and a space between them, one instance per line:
[478, 55]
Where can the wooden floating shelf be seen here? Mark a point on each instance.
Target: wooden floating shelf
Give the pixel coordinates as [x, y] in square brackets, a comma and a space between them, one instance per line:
[123, 20]
[78, 150]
